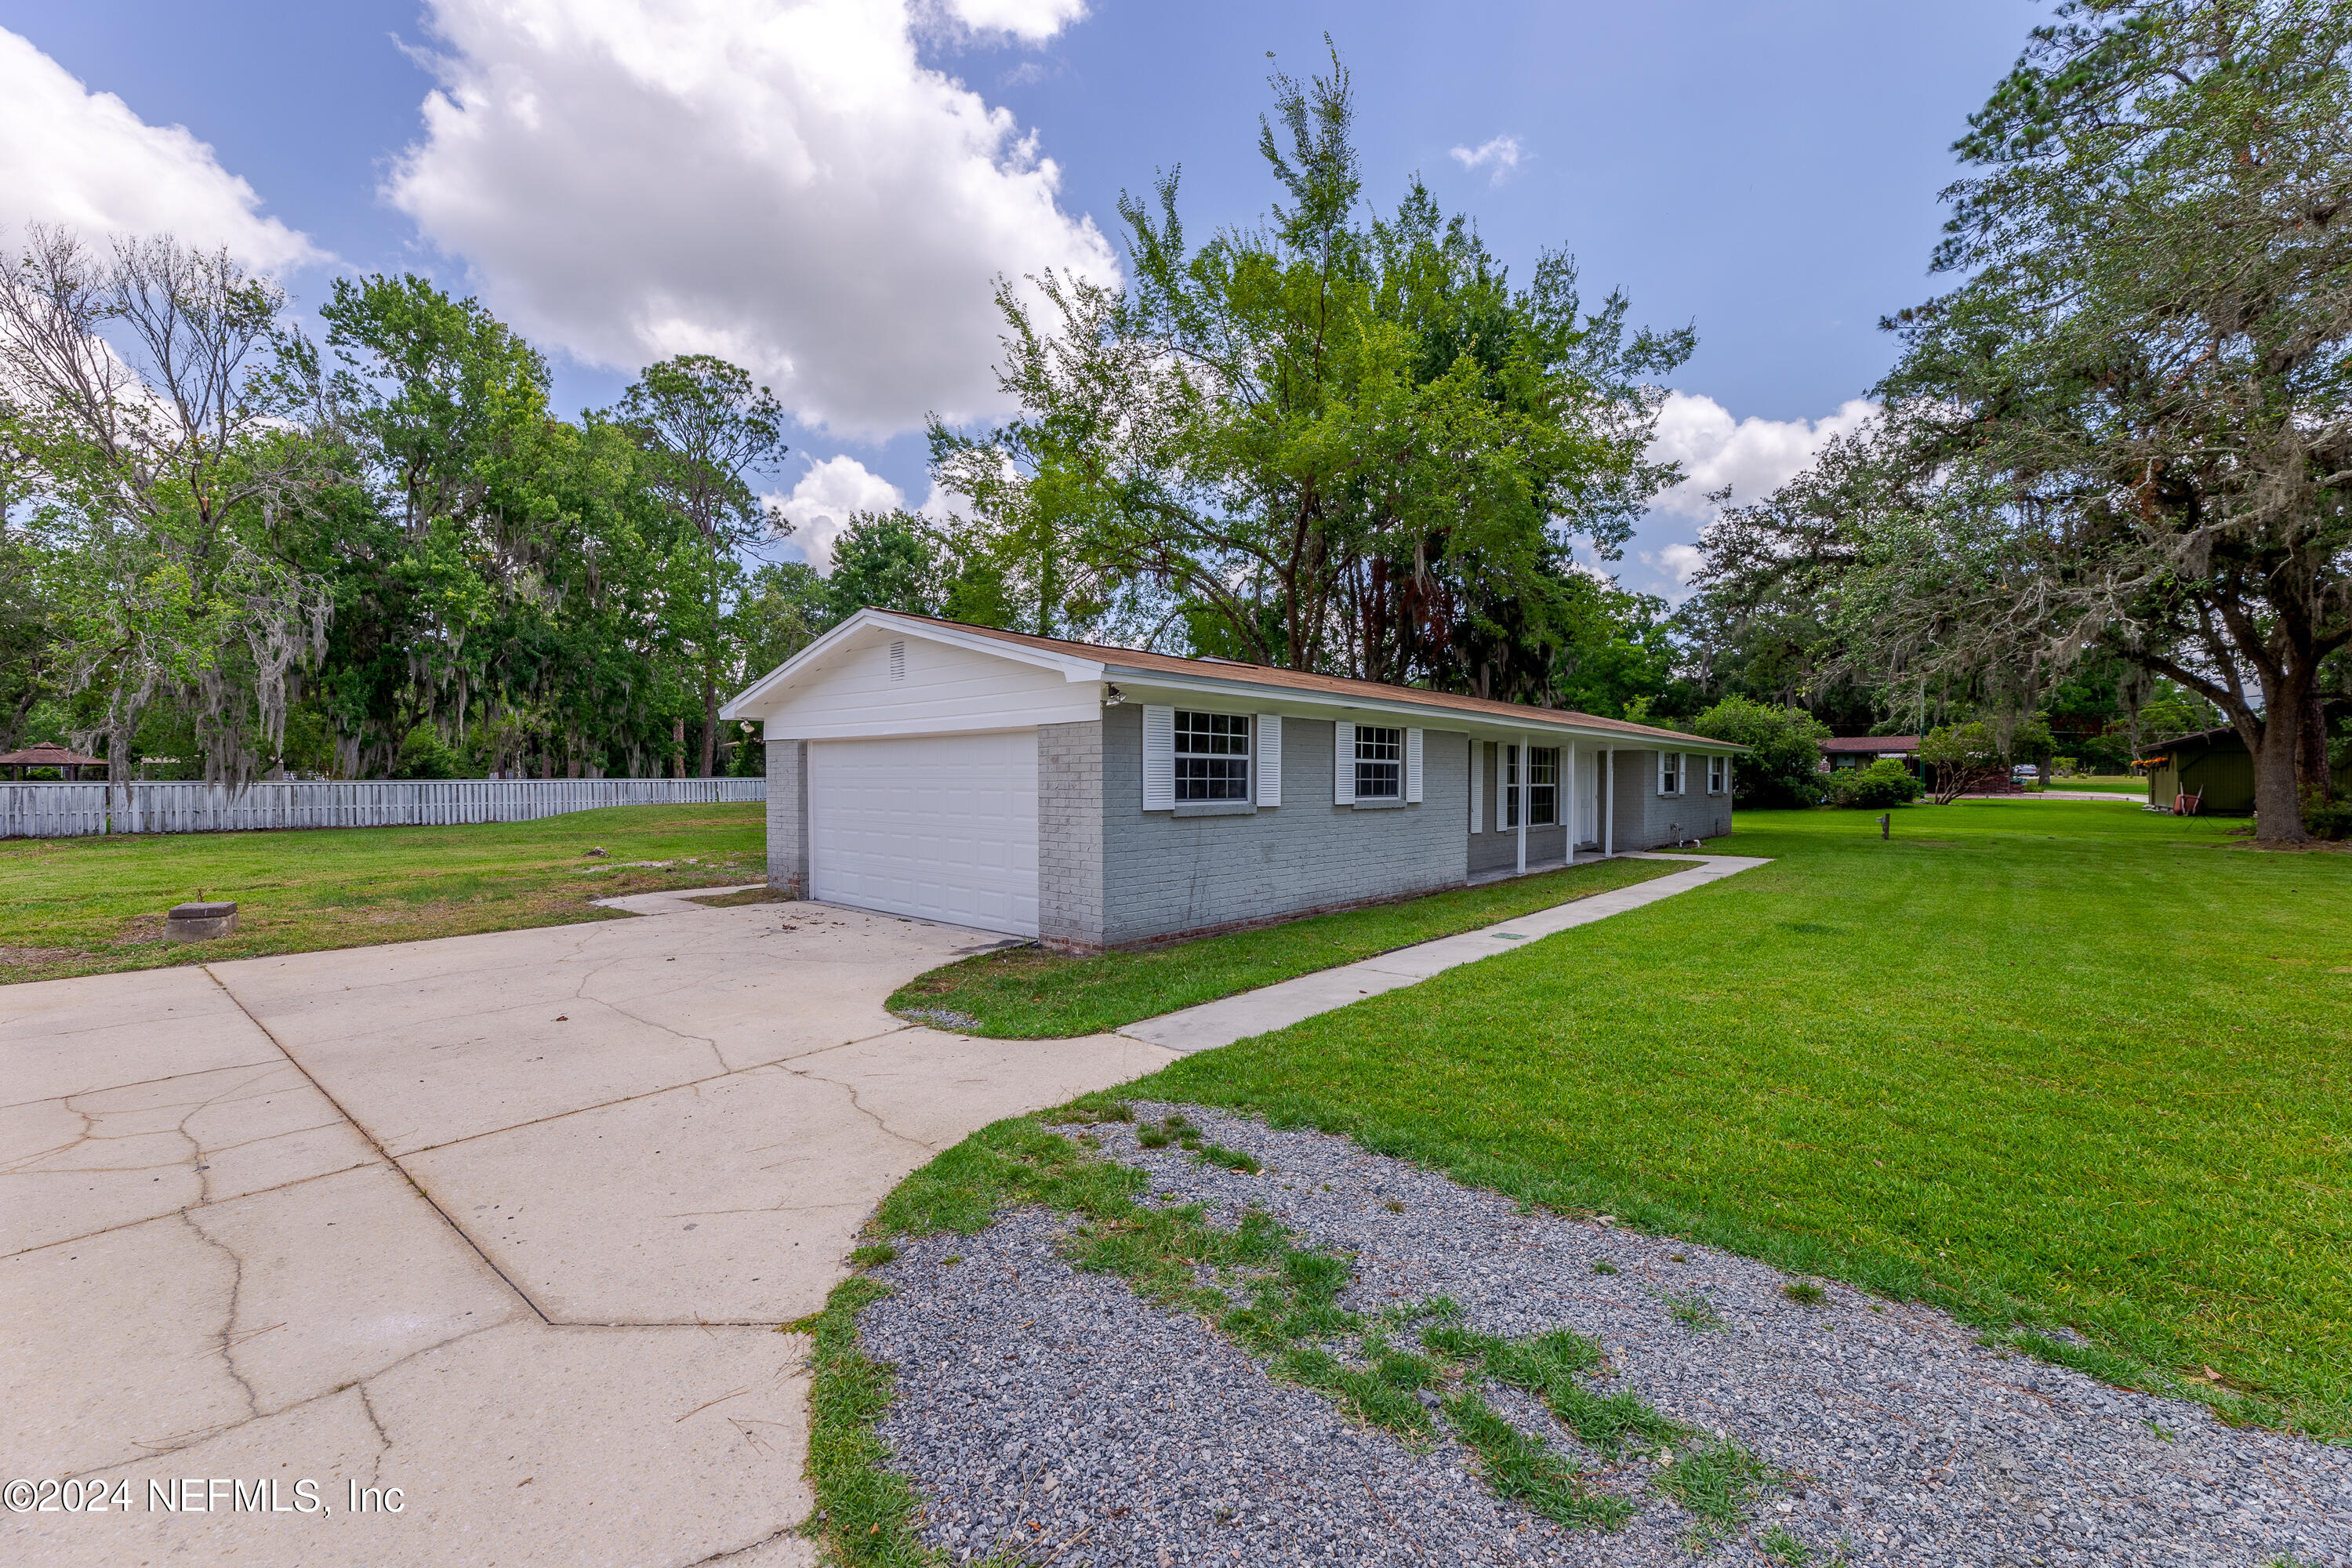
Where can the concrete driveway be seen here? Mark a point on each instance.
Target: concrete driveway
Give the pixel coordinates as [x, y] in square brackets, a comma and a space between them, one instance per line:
[506, 1223]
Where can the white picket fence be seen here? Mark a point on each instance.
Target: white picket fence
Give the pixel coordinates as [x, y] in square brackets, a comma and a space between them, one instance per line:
[79, 810]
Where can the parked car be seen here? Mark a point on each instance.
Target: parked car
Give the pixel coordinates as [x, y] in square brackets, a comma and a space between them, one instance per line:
[2025, 773]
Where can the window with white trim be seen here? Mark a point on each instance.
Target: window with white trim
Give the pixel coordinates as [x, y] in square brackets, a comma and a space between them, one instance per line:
[1380, 762]
[1718, 774]
[1670, 773]
[1213, 756]
[1543, 786]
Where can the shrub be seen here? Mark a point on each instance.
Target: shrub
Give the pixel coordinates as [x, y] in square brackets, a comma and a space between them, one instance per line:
[424, 755]
[1783, 751]
[2326, 818]
[1882, 783]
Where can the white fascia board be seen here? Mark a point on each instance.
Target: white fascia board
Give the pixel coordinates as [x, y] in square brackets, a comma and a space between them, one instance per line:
[757, 700]
[1140, 685]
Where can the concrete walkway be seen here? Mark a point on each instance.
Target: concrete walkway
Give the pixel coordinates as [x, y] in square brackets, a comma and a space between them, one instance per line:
[1271, 1007]
[504, 1222]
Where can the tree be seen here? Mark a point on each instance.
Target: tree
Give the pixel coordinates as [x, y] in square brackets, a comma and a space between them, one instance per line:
[1328, 443]
[886, 561]
[1962, 757]
[155, 409]
[2131, 429]
[710, 429]
[785, 607]
[1784, 752]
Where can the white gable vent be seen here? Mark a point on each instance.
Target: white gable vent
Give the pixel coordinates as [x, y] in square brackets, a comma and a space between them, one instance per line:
[899, 659]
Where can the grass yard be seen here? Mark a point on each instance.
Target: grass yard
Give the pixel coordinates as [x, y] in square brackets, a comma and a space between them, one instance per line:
[1027, 994]
[2041, 1063]
[2125, 784]
[86, 906]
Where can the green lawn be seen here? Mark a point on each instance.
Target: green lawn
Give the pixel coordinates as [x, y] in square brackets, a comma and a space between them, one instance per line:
[82, 906]
[1027, 994]
[2123, 784]
[2060, 1063]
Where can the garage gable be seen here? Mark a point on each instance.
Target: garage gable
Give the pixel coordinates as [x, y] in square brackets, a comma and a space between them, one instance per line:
[885, 680]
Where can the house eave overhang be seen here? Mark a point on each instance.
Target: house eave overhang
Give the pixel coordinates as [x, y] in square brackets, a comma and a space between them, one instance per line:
[763, 696]
[1431, 715]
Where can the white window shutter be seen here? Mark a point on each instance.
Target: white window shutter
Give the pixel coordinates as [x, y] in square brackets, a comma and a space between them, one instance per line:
[1159, 757]
[1269, 759]
[1477, 783]
[1413, 767]
[1343, 764]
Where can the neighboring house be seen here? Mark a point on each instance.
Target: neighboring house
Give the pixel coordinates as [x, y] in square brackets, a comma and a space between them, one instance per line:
[1861, 751]
[1096, 796]
[2214, 765]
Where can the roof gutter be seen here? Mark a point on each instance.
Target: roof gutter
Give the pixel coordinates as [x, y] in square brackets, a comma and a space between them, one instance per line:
[1447, 717]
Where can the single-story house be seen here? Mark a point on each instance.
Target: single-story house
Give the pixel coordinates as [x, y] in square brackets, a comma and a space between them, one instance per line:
[1094, 797]
[1862, 750]
[2211, 763]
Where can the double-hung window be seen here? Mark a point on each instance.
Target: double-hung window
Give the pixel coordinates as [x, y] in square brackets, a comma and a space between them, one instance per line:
[1213, 756]
[1543, 786]
[1718, 774]
[1380, 762]
[1670, 773]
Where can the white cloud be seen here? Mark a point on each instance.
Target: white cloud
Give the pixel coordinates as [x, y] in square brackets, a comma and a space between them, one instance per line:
[785, 186]
[83, 160]
[820, 505]
[1678, 561]
[1499, 153]
[1753, 457]
[1033, 21]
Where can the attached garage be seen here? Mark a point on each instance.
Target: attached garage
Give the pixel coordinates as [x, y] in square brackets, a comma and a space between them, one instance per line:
[943, 828]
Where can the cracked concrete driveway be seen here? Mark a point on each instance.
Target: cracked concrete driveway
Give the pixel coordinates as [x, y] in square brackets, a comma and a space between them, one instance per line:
[504, 1222]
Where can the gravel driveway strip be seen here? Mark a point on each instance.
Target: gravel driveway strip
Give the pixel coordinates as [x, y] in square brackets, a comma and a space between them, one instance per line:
[1052, 1414]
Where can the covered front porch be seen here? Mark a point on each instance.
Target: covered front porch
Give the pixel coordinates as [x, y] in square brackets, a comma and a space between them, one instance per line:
[1534, 806]
[1585, 857]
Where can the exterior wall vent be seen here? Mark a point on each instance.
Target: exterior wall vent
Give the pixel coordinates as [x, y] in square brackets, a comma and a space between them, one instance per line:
[898, 660]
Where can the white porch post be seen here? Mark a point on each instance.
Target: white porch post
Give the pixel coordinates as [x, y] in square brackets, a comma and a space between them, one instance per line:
[1608, 803]
[1568, 799]
[1519, 795]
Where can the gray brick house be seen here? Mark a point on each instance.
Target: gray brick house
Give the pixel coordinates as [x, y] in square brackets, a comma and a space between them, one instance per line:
[1094, 797]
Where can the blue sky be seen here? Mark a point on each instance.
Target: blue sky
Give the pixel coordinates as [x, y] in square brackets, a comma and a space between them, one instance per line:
[625, 177]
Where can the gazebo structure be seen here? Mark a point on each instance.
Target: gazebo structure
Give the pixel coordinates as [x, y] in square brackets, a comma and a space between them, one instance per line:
[48, 754]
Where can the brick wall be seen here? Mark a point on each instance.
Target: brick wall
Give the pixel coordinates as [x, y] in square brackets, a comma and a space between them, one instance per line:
[1163, 874]
[1070, 836]
[788, 835]
[1646, 820]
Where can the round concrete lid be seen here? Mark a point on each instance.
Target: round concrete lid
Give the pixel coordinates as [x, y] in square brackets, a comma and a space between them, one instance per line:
[201, 911]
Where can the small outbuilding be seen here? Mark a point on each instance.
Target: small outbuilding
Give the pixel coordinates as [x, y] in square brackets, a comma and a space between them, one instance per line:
[50, 754]
[1094, 797]
[1863, 751]
[2213, 766]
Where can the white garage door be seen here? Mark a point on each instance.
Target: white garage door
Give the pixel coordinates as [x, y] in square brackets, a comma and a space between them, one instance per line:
[943, 826]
